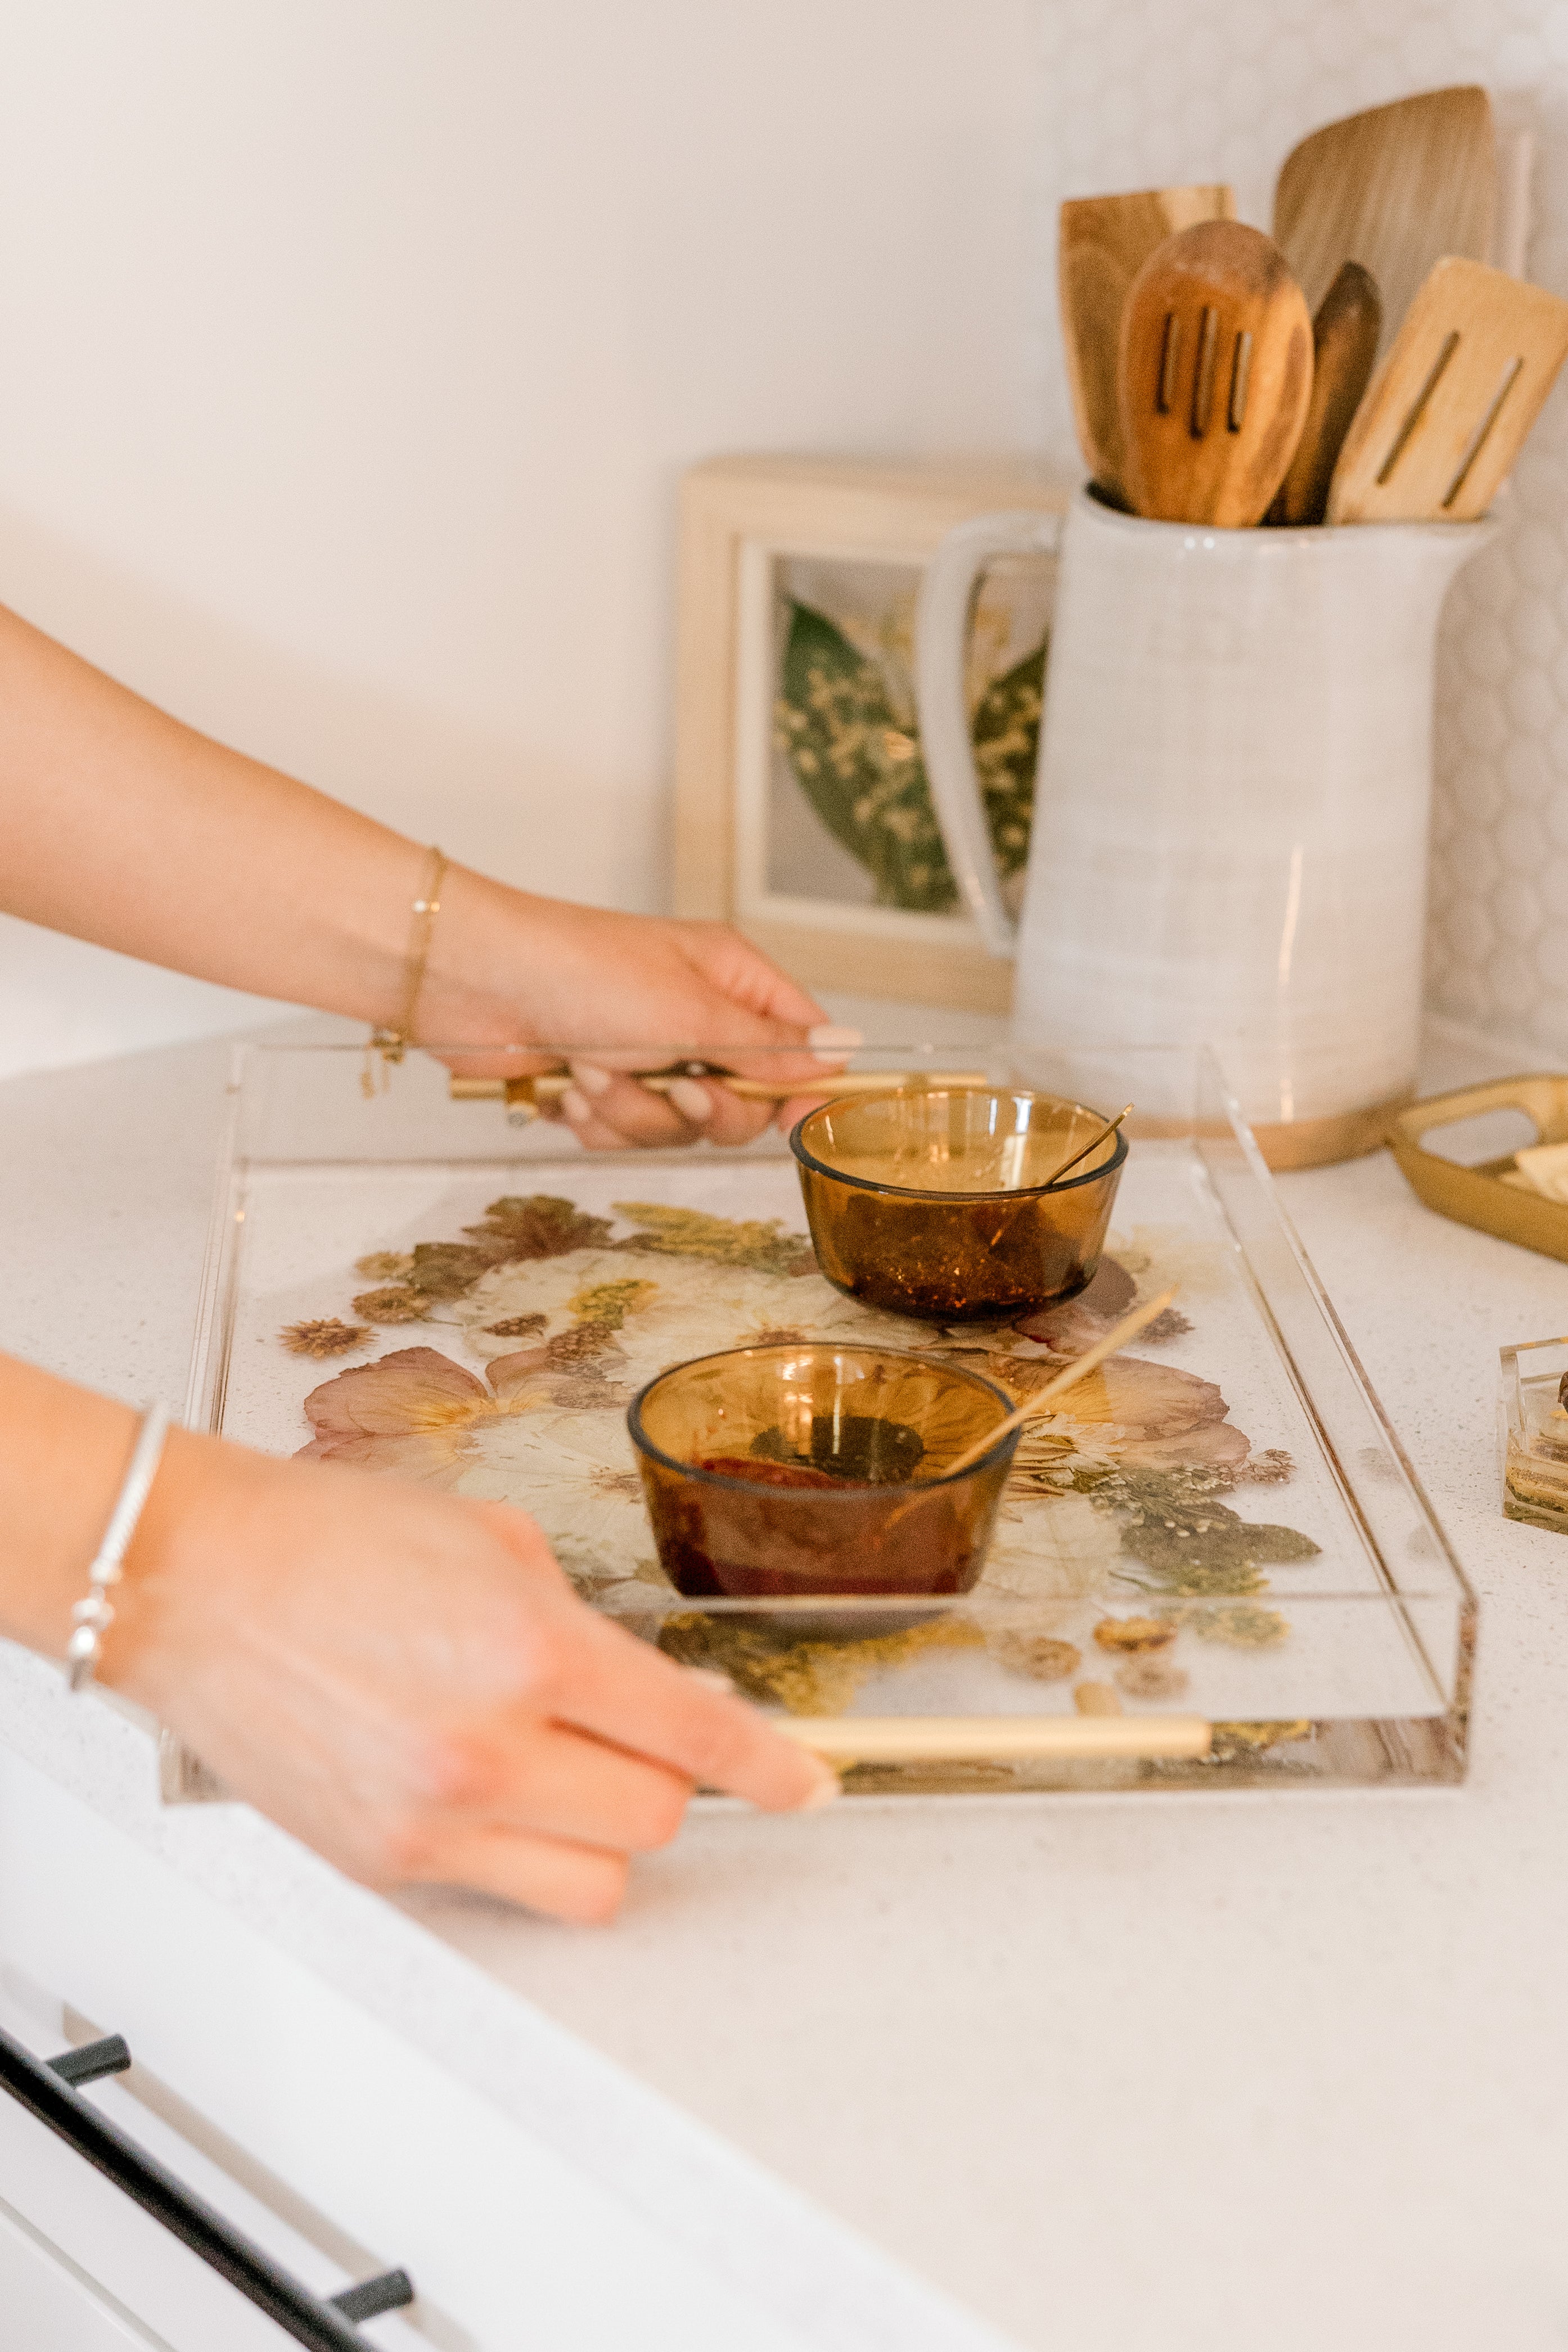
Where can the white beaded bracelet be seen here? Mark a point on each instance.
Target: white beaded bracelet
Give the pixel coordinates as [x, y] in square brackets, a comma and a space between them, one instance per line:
[93, 1617]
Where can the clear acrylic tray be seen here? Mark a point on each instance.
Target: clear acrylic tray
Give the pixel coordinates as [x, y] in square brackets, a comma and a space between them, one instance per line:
[1214, 1566]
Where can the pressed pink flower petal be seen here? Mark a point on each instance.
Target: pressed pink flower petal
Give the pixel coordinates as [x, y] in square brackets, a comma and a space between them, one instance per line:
[1069, 1331]
[508, 1373]
[1144, 1399]
[412, 1389]
[435, 1457]
[1220, 1446]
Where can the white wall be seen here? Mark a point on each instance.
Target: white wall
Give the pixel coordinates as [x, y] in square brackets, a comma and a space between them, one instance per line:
[352, 349]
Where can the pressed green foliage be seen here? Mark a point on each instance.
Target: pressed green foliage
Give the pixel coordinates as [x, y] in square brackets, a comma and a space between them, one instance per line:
[1190, 1544]
[862, 771]
[448, 1269]
[534, 1224]
[756, 1242]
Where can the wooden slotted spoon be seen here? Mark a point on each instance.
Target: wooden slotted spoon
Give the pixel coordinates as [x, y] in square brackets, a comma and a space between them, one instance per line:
[1449, 409]
[1102, 244]
[1214, 376]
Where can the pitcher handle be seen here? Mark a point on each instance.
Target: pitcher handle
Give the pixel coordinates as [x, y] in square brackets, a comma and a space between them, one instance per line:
[941, 631]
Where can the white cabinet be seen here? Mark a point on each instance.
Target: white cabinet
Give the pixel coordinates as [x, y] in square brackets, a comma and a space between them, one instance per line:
[49, 2306]
[97, 2269]
[351, 2139]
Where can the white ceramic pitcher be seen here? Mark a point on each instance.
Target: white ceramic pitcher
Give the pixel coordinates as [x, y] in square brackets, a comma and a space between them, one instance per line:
[1232, 804]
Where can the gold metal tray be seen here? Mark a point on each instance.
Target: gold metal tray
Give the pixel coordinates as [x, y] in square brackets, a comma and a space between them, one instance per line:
[1479, 1196]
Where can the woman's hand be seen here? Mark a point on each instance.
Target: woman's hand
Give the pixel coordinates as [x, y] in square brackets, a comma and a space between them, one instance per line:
[119, 824]
[508, 968]
[407, 1683]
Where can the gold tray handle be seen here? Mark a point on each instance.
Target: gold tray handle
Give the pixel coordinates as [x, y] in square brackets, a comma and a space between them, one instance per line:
[1478, 1196]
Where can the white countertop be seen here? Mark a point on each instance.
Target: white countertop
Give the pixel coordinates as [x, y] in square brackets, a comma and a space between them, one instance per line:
[1199, 2070]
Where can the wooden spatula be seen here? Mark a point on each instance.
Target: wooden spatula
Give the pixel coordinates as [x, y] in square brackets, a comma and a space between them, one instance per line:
[1449, 407]
[1102, 244]
[1395, 188]
[1214, 375]
[1345, 346]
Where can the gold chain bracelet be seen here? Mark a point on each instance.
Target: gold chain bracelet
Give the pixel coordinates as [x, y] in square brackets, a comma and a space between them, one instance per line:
[391, 1043]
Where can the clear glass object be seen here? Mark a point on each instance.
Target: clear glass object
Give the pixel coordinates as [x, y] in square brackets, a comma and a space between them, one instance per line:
[945, 1206]
[1534, 1432]
[1211, 1567]
[801, 1469]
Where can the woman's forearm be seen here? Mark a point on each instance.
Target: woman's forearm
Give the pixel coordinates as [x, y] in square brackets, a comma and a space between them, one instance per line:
[63, 1454]
[121, 825]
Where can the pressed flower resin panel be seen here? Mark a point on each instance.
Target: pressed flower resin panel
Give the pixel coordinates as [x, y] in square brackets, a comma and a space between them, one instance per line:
[1175, 1538]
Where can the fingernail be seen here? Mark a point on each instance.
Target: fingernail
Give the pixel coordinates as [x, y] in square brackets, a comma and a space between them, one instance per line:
[576, 1106]
[712, 1677]
[829, 1790]
[692, 1101]
[591, 1078]
[830, 1042]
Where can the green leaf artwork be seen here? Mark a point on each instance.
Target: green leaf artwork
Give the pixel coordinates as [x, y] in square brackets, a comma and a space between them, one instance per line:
[862, 772]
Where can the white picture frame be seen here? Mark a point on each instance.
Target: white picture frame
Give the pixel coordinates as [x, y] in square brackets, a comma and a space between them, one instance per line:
[750, 528]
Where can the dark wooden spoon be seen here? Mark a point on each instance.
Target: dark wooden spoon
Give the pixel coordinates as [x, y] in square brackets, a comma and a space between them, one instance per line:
[1344, 347]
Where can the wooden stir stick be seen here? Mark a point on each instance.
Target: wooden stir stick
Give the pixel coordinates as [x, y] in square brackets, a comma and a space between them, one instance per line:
[1093, 1357]
[1085, 1148]
[1057, 1173]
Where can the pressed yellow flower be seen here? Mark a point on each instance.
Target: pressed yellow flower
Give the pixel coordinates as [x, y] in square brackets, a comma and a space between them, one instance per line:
[329, 1336]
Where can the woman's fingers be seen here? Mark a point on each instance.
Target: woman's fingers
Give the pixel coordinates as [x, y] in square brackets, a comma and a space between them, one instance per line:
[789, 1114]
[606, 1110]
[717, 1741]
[595, 1674]
[489, 1730]
[548, 1777]
[605, 1101]
[575, 1883]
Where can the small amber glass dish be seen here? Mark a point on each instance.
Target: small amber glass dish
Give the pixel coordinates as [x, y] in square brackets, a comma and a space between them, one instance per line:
[809, 1468]
[938, 1204]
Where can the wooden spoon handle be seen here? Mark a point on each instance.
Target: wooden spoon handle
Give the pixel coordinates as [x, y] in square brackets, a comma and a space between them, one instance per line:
[981, 1739]
[1345, 346]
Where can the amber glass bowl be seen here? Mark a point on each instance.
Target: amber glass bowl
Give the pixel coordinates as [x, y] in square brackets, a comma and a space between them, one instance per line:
[810, 1468]
[938, 1204]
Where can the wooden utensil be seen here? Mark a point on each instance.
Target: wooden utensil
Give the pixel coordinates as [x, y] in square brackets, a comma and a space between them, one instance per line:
[1064, 1167]
[1079, 1369]
[1085, 1148]
[981, 1739]
[1103, 242]
[1214, 376]
[1344, 348]
[550, 1085]
[1449, 407]
[1396, 189]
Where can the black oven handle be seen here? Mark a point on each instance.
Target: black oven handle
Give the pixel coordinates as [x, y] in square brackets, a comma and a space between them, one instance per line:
[48, 2089]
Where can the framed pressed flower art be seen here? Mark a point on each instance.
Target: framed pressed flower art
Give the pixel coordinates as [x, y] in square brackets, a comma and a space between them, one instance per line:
[802, 810]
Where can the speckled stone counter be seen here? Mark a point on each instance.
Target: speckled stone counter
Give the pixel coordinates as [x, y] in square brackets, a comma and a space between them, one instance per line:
[1199, 2071]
